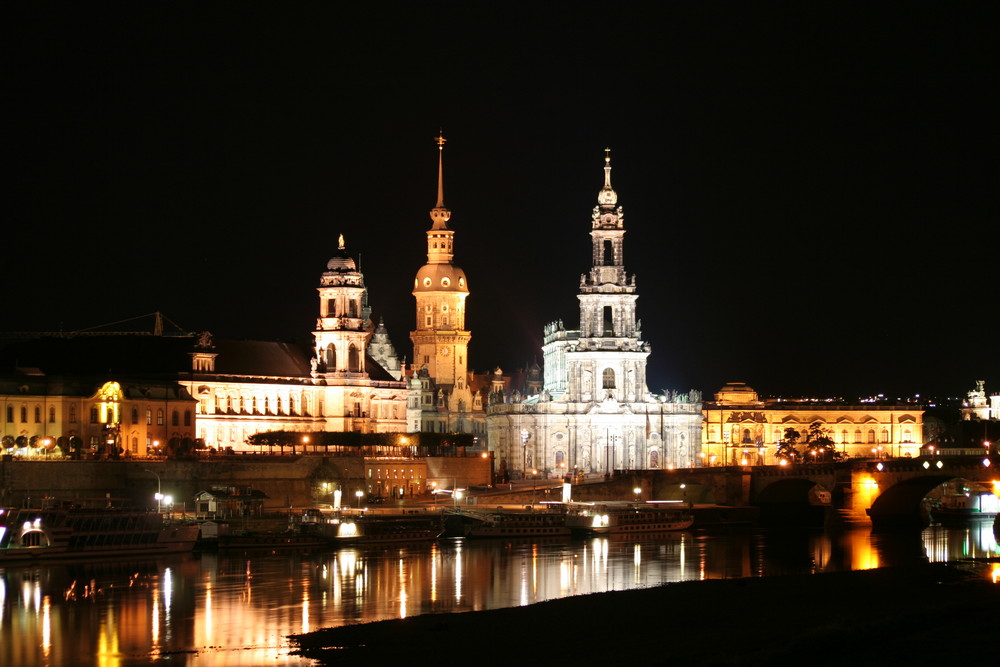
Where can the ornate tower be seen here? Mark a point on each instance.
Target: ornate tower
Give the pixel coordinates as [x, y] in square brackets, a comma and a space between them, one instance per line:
[440, 341]
[608, 360]
[343, 327]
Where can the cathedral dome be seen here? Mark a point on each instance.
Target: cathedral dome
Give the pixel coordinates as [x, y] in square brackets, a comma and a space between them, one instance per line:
[341, 261]
[440, 278]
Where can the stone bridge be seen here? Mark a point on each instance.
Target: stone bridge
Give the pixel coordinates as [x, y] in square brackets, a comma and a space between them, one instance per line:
[859, 492]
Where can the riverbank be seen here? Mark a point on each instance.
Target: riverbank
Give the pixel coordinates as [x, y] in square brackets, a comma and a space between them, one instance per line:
[927, 614]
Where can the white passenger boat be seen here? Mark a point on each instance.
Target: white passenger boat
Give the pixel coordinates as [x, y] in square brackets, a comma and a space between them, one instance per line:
[626, 519]
[78, 533]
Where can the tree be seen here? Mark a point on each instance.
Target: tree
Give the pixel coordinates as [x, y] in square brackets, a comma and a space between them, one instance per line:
[819, 444]
[786, 448]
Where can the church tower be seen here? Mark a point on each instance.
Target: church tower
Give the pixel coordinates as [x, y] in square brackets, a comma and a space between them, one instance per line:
[440, 341]
[608, 360]
[343, 326]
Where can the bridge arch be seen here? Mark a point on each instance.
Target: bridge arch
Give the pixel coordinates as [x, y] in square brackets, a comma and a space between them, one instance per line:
[794, 500]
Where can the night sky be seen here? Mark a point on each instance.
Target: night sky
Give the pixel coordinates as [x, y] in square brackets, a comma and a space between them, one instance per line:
[809, 189]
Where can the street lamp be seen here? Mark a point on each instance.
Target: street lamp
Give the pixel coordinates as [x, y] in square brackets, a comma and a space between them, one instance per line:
[158, 496]
[358, 494]
[534, 478]
[637, 491]
[169, 501]
[305, 443]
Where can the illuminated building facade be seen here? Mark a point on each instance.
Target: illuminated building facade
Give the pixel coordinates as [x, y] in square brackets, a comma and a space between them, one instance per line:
[594, 412]
[179, 389]
[977, 406]
[742, 429]
[246, 387]
[450, 397]
[83, 417]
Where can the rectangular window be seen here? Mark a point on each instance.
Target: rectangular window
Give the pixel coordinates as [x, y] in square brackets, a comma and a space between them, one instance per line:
[149, 417]
[10, 413]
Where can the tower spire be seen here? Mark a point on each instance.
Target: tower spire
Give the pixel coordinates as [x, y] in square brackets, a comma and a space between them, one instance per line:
[440, 142]
[439, 214]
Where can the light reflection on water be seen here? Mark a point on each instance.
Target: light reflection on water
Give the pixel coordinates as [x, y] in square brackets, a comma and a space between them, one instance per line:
[237, 609]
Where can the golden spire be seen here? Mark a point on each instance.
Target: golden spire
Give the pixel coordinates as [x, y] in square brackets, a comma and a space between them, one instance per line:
[340, 242]
[440, 142]
[439, 214]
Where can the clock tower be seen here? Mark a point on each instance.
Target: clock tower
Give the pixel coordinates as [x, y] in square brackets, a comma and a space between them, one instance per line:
[440, 340]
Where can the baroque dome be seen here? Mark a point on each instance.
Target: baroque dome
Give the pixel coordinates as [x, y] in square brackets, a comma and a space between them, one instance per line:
[440, 278]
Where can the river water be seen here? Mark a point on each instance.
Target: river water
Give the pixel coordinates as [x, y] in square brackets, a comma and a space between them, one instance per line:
[237, 608]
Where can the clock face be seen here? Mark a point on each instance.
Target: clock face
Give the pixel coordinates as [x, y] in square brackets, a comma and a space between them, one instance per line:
[445, 351]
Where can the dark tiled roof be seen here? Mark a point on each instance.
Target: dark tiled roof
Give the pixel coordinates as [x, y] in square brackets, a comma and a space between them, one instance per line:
[261, 357]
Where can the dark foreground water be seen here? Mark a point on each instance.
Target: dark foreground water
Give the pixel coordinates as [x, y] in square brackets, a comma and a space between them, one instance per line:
[235, 608]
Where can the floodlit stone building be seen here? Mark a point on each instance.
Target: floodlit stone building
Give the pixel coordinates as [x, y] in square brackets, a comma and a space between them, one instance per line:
[594, 412]
[173, 391]
[742, 429]
[450, 396]
[245, 387]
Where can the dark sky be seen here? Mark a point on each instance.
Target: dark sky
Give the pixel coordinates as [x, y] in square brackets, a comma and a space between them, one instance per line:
[810, 189]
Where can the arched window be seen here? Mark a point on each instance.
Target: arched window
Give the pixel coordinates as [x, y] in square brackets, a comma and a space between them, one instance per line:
[24, 415]
[331, 357]
[654, 459]
[159, 417]
[746, 436]
[907, 435]
[52, 414]
[609, 378]
[609, 321]
[38, 415]
[135, 415]
[353, 359]
[277, 404]
[609, 253]
[857, 435]
[885, 435]
[871, 436]
[175, 418]
[843, 436]
[560, 459]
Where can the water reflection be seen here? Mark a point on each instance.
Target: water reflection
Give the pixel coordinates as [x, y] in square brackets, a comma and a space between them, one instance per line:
[234, 610]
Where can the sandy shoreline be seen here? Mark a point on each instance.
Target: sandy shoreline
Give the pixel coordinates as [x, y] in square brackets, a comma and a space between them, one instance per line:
[927, 614]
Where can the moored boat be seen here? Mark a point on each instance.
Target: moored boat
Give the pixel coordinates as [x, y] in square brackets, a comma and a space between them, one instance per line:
[627, 519]
[80, 533]
[517, 523]
[380, 528]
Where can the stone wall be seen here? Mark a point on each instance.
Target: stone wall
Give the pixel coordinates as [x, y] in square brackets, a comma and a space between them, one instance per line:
[288, 481]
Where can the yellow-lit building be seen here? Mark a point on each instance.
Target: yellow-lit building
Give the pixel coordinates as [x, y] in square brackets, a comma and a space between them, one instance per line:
[83, 417]
[448, 398]
[742, 429]
[176, 391]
